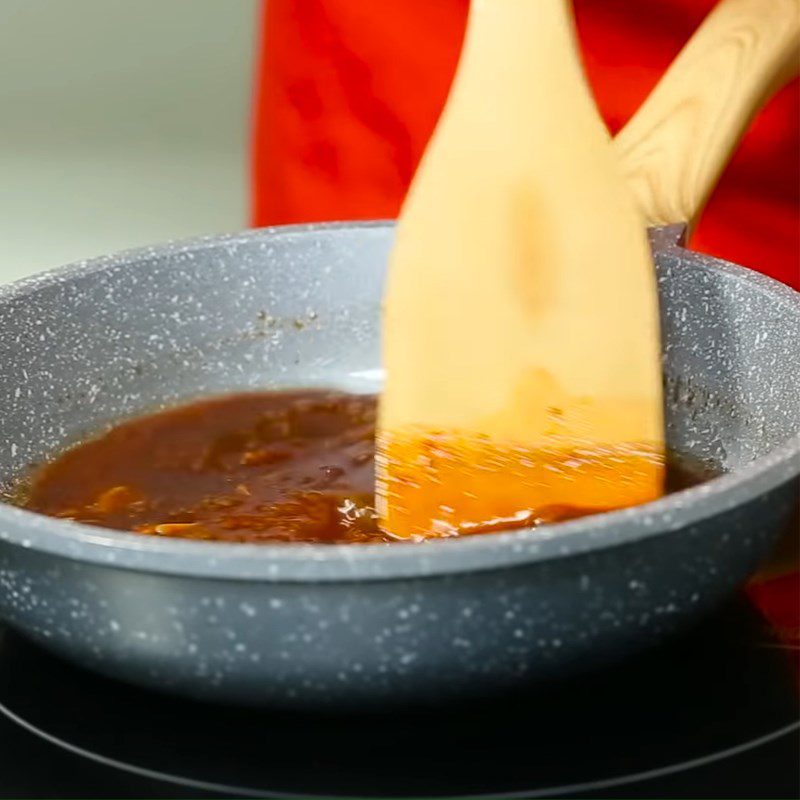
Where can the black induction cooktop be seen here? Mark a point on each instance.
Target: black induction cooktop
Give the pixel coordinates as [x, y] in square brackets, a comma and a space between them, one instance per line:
[713, 714]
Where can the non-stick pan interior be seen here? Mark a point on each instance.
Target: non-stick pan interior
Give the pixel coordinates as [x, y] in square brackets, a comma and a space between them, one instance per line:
[299, 307]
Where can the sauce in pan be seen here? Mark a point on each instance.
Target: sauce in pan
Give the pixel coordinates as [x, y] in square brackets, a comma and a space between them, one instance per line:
[265, 467]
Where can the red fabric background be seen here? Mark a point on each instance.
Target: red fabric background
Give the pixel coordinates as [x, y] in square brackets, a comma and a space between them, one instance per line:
[348, 92]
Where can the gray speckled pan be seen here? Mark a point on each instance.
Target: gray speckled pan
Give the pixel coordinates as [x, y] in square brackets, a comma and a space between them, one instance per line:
[314, 625]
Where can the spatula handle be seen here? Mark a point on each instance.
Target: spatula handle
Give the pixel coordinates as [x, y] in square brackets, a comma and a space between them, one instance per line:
[677, 144]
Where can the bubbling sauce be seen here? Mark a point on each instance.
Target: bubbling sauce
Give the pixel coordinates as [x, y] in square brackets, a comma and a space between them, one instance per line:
[264, 467]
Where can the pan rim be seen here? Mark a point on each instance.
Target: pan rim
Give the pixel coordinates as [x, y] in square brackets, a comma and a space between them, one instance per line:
[357, 562]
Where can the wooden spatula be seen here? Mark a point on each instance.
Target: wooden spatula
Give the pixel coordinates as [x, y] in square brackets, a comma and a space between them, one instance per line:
[676, 145]
[671, 152]
[521, 330]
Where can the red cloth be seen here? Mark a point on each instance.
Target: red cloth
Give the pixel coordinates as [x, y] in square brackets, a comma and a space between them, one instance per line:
[778, 599]
[348, 92]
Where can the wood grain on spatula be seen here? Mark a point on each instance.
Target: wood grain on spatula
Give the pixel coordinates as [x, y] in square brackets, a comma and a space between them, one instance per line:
[676, 145]
[520, 334]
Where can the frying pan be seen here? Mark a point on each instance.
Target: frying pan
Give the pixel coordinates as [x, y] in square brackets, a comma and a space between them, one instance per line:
[355, 625]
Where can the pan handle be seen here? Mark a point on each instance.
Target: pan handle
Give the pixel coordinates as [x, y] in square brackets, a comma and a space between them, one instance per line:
[675, 147]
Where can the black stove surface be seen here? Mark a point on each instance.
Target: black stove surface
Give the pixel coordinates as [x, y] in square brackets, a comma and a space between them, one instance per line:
[713, 714]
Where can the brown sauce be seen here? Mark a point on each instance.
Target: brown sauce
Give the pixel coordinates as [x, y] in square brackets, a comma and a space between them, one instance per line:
[266, 467]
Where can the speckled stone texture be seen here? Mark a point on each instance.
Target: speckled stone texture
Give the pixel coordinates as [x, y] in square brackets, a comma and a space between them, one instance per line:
[299, 625]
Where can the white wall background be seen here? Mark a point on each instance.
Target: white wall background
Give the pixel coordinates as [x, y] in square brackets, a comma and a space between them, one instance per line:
[122, 122]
